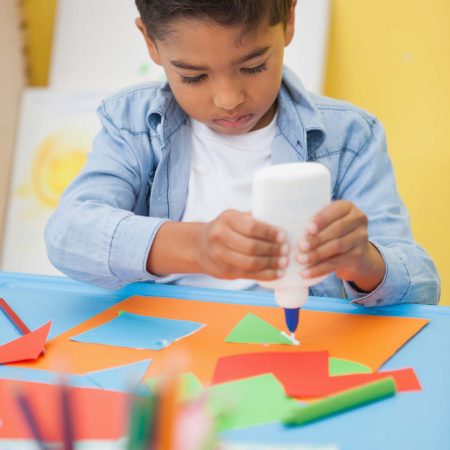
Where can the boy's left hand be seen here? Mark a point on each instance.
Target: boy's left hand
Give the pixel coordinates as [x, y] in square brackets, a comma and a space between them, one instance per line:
[337, 241]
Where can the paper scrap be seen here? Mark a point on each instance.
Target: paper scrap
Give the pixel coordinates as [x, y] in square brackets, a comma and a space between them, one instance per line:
[251, 401]
[291, 369]
[98, 414]
[253, 330]
[304, 374]
[139, 331]
[339, 366]
[125, 378]
[26, 347]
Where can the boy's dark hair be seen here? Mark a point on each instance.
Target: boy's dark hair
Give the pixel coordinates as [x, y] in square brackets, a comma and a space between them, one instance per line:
[157, 14]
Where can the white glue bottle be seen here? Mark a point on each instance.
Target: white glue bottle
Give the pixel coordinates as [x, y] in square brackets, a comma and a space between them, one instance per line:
[288, 196]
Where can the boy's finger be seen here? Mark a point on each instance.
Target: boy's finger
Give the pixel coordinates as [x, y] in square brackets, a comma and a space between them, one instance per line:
[255, 247]
[321, 269]
[265, 275]
[253, 264]
[250, 227]
[328, 215]
[340, 228]
[330, 249]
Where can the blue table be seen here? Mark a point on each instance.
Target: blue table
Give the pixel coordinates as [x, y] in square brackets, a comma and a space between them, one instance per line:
[419, 420]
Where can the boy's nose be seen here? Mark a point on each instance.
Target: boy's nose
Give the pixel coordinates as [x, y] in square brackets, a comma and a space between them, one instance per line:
[228, 98]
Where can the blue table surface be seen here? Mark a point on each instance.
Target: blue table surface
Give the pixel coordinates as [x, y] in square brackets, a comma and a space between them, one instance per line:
[413, 420]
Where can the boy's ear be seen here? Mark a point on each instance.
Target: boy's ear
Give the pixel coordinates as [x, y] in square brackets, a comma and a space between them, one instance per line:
[290, 25]
[151, 45]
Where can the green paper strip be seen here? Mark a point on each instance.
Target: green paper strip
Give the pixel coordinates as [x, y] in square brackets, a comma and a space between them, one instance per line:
[253, 330]
[343, 401]
[338, 366]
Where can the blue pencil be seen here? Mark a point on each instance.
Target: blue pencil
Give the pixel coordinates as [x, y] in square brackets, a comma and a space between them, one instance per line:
[68, 437]
[28, 415]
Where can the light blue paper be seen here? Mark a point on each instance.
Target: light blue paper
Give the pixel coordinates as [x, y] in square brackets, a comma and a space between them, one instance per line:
[139, 332]
[124, 378]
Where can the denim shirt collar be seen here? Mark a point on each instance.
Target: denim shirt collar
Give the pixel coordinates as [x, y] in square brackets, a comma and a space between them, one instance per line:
[299, 120]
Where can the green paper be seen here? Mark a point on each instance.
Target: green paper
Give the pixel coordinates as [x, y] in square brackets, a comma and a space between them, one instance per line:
[247, 402]
[253, 330]
[191, 387]
[343, 401]
[338, 366]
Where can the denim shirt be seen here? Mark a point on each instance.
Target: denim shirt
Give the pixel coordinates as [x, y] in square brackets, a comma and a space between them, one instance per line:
[137, 175]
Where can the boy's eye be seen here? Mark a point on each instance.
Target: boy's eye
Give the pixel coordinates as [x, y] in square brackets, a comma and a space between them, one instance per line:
[193, 80]
[251, 70]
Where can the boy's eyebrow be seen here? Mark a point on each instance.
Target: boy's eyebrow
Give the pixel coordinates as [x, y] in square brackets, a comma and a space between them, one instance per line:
[253, 54]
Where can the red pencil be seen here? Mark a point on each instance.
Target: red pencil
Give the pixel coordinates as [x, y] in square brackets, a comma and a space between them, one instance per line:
[13, 317]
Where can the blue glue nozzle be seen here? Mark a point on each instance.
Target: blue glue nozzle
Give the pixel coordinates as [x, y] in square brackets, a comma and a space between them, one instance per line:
[292, 315]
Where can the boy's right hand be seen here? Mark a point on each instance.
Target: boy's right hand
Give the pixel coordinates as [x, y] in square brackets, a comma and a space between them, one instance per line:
[235, 245]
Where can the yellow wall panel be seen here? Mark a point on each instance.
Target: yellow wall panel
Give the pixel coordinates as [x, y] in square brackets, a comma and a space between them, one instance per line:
[393, 59]
[38, 18]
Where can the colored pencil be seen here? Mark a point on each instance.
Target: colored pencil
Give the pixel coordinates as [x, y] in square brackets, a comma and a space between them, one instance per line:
[28, 415]
[13, 317]
[66, 413]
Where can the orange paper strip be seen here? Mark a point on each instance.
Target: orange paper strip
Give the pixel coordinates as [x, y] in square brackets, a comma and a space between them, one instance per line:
[368, 339]
[26, 347]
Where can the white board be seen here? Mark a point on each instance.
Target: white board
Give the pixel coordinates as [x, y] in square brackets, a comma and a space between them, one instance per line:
[307, 53]
[97, 45]
[54, 135]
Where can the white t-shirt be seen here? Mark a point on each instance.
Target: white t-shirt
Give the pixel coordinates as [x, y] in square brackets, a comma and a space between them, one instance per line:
[222, 169]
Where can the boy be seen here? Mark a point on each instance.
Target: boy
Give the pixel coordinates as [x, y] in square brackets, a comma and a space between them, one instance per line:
[166, 192]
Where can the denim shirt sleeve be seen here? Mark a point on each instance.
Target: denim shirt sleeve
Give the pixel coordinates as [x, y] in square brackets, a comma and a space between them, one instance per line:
[410, 273]
[96, 235]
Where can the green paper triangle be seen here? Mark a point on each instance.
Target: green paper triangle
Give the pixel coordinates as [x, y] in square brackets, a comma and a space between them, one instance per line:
[253, 330]
[338, 366]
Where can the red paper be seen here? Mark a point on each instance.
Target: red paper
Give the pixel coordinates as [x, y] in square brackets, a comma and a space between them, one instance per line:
[293, 370]
[26, 347]
[304, 374]
[405, 380]
[96, 413]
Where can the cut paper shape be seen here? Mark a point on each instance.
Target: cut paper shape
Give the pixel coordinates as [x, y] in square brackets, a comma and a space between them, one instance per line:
[304, 374]
[291, 369]
[253, 330]
[190, 385]
[339, 366]
[138, 331]
[251, 401]
[26, 347]
[98, 414]
[405, 380]
[124, 378]
[377, 337]
[352, 398]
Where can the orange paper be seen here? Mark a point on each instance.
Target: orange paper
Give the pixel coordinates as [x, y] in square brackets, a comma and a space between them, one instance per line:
[96, 413]
[368, 339]
[26, 347]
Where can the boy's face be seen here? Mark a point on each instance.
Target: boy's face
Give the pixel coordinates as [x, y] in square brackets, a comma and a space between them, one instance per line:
[225, 78]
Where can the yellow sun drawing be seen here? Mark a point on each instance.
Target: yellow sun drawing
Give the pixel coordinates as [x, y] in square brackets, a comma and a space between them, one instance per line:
[59, 158]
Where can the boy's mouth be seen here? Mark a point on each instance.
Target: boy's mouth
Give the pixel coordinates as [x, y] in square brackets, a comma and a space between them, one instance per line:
[234, 121]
